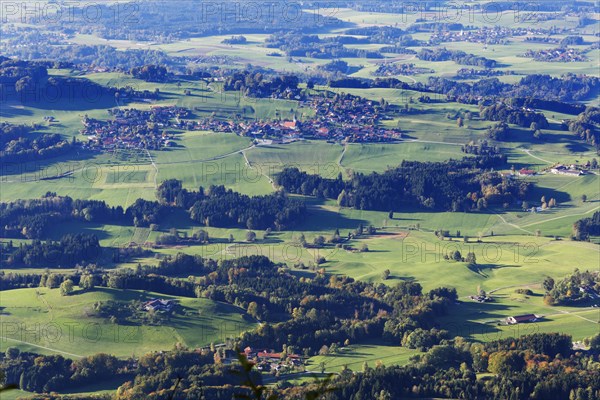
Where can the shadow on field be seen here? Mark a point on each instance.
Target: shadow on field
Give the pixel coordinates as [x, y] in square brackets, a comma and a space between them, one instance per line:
[536, 192]
[402, 278]
[11, 111]
[525, 135]
[470, 319]
[63, 167]
[577, 147]
[481, 269]
[319, 219]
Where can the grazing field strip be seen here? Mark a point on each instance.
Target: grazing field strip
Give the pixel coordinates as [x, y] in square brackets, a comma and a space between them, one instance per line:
[155, 168]
[511, 224]
[260, 170]
[140, 235]
[561, 217]
[240, 151]
[536, 157]
[41, 347]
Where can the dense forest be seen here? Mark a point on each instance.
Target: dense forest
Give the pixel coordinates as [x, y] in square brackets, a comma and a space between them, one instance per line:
[29, 82]
[532, 90]
[459, 57]
[521, 117]
[538, 366]
[158, 21]
[215, 206]
[69, 251]
[567, 88]
[586, 227]
[17, 144]
[254, 85]
[100, 56]
[586, 126]
[151, 73]
[221, 207]
[578, 289]
[427, 184]
[295, 44]
[34, 219]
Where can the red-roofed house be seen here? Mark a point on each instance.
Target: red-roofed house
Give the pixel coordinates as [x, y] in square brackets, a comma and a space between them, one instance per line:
[526, 172]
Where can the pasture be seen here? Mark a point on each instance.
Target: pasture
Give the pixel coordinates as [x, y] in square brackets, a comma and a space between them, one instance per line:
[515, 249]
[43, 321]
[353, 357]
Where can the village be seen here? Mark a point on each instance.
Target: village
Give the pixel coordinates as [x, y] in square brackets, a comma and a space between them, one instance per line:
[485, 35]
[132, 128]
[556, 55]
[341, 118]
[391, 69]
[472, 73]
[269, 361]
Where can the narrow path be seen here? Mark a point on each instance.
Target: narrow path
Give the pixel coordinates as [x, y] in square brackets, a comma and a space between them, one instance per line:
[575, 314]
[556, 311]
[339, 162]
[511, 224]
[249, 164]
[562, 216]
[431, 141]
[41, 347]
[208, 159]
[536, 157]
[155, 167]
[512, 286]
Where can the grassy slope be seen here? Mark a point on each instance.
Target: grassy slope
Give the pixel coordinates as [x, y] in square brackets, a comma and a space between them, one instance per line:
[48, 316]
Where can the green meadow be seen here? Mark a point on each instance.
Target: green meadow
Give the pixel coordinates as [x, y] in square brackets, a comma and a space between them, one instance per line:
[514, 249]
[354, 356]
[43, 321]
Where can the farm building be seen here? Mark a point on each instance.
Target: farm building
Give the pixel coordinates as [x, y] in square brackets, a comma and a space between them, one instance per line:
[562, 170]
[526, 172]
[159, 305]
[517, 319]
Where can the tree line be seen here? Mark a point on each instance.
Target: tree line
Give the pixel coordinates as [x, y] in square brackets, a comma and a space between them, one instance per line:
[538, 366]
[221, 207]
[255, 85]
[69, 251]
[586, 227]
[458, 56]
[516, 116]
[454, 185]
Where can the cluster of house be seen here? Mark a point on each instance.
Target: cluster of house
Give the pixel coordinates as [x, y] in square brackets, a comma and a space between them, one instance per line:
[572, 170]
[491, 35]
[542, 39]
[392, 69]
[495, 35]
[156, 305]
[349, 118]
[472, 73]
[268, 361]
[133, 128]
[556, 55]
[341, 118]
[559, 169]
[482, 298]
[344, 118]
